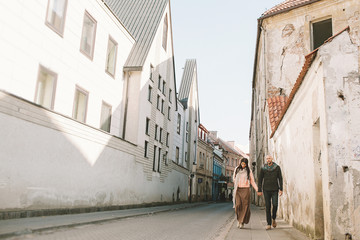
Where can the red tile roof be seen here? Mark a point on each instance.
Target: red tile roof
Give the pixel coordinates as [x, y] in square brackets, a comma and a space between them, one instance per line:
[276, 105]
[286, 6]
[308, 61]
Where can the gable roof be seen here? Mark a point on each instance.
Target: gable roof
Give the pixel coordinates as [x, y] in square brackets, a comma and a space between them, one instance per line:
[141, 18]
[308, 61]
[187, 79]
[286, 6]
[275, 105]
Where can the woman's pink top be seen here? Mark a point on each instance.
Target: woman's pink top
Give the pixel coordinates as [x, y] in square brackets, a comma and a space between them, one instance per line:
[241, 180]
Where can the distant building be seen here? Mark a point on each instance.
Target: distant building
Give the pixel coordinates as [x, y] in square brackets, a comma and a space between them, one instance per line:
[204, 166]
[189, 99]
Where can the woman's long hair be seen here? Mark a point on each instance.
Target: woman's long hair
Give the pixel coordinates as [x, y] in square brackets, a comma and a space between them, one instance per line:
[246, 161]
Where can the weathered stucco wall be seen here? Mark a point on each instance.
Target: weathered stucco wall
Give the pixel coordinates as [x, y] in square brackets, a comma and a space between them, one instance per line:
[342, 96]
[288, 38]
[294, 150]
[316, 145]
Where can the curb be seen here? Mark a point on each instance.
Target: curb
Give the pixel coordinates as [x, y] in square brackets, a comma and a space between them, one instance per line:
[86, 222]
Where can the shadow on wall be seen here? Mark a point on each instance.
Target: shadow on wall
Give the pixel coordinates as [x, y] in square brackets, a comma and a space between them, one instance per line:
[50, 161]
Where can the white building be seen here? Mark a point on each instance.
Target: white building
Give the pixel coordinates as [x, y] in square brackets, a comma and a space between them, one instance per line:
[189, 98]
[87, 94]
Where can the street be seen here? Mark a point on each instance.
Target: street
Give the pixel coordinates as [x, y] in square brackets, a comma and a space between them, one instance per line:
[213, 221]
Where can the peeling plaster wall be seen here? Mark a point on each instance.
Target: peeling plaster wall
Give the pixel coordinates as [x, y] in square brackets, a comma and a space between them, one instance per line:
[336, 169]
[342, 92]
[294, 152]
[288, 38]
[283, 42]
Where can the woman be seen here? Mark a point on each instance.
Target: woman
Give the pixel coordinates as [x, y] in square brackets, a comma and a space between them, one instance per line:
[243, 177]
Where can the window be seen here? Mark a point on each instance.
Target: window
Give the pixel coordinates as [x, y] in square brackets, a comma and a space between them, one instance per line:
[165, 32]
[159, 83]
[158, 102]
[105, 120]
[163, 87]
[186, 156]
[111, 57]
[80, 104]
[167, 139]
[178, 123]
[45, 88]
[147, 125]
[321, 32]
[160, 135]
[88, 35]
[154, 159]
[166, 157]
[187, 137]
[156, 128]
[149, 93]
[146, 149]
[170, 91]
[159, 160]
[162, 106]
[151, 72]
[177, 155]
[55, 16]
[187, 131]
[169, 113]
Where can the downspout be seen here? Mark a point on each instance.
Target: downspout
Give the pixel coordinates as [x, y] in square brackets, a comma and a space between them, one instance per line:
[127, 79]
[266, 150]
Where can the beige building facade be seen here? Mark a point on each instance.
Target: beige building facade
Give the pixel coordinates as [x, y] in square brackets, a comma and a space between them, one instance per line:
[204, 166]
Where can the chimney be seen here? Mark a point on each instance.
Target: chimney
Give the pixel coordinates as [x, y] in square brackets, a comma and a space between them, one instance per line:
[232, 144]
[213, 134]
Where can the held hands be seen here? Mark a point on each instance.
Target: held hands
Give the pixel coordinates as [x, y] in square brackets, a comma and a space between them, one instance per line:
[259, 193]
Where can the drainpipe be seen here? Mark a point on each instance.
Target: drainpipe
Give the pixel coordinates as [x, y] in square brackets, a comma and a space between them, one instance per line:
[127, 80]
[266, 150]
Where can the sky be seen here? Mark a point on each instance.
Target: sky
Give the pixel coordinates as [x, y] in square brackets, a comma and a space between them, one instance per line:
[221, 36]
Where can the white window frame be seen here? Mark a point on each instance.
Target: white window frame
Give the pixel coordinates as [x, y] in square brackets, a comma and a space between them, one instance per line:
[50, 12]
[105, 105]
[91, 54]
[86, 93]
[43, 70]
[107, 65]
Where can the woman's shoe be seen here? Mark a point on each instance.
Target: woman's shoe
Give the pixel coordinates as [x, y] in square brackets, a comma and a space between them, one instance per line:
[238, 225]
[242, 225]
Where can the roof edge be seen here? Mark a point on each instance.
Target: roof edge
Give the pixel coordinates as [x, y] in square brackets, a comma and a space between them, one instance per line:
[287, 9]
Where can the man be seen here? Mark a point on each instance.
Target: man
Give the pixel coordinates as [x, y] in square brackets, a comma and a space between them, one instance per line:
[271, 185]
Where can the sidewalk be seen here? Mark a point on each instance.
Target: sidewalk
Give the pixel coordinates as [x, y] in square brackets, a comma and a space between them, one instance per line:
[255, 230]
[20, 226]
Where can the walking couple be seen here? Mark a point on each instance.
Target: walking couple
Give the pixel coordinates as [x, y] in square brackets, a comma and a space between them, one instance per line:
[270, 184]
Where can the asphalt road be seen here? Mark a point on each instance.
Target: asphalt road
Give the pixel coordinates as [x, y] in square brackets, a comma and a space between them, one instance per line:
[205, 222]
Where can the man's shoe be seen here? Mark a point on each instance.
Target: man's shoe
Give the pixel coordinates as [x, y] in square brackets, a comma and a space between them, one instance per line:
[268, 227]
[274, 224]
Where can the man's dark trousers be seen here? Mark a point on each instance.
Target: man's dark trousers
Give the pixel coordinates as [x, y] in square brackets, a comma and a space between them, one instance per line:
[271, 196]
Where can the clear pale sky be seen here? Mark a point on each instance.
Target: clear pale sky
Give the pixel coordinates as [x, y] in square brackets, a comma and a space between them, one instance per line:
[221, 36]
